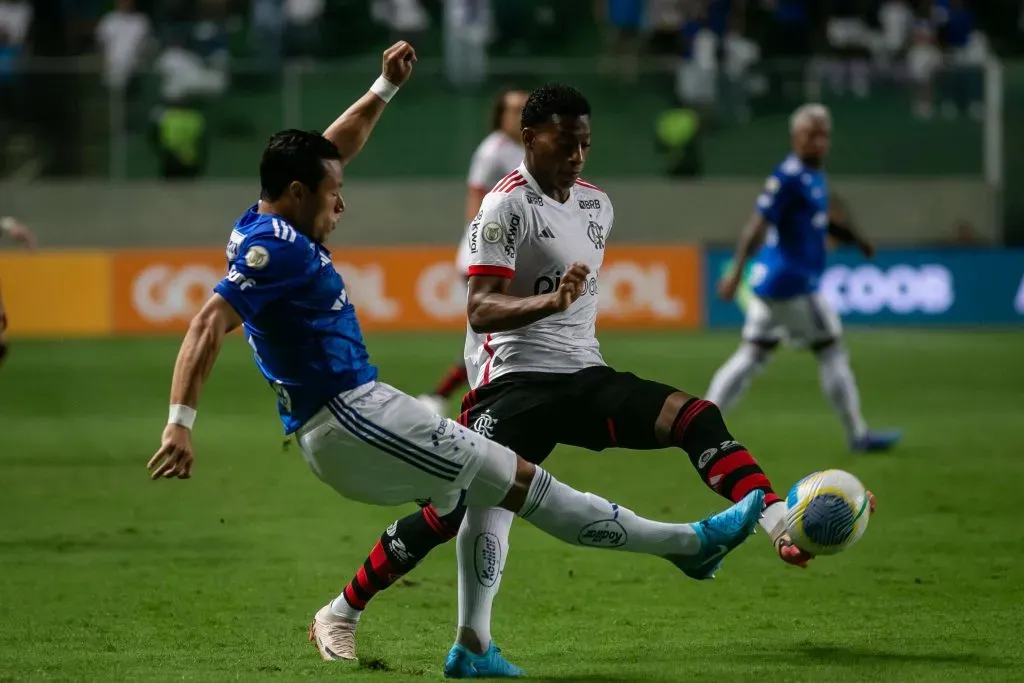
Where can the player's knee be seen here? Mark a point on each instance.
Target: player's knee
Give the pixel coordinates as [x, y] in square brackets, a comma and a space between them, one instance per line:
[697, 424]
[502, 476]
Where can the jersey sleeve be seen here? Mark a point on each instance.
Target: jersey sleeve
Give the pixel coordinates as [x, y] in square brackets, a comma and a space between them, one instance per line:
[263, 270]
[482, 170]
[495, 236]
[777, 194]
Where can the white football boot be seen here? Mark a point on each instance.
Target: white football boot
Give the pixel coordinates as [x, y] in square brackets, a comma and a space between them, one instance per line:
[334, 636]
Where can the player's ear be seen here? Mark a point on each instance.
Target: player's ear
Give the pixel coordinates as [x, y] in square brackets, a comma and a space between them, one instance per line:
[529, 135]
[296, 190]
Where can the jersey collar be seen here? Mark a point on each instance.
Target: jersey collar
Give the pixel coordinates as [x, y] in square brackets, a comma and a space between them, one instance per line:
[531, 182]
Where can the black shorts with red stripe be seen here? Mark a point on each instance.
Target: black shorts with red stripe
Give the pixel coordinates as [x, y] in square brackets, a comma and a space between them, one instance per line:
[594, 408]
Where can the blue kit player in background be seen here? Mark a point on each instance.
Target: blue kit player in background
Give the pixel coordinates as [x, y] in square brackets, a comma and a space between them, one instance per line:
[368, 441]
[790, 225]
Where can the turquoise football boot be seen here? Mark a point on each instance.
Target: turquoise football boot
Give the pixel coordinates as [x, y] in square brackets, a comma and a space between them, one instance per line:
[719, 535]
[462, 663]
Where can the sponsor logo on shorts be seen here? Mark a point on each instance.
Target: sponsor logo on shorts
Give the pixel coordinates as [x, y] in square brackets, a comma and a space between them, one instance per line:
[487, 559]
[607, 533]
[484, 425]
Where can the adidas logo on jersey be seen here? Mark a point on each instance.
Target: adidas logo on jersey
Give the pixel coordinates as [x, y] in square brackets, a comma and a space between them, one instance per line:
[546, 232]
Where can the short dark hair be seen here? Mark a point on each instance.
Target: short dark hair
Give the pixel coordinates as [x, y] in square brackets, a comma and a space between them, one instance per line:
[554, 99]
[294, 155]
[499, 105]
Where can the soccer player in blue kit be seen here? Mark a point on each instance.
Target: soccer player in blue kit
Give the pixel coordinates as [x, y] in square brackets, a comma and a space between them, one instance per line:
[786, 238]
[364, 438]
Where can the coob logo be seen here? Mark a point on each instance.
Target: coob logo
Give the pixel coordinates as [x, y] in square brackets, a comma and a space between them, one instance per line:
[607, 533]
[900, 289]
[487, 559]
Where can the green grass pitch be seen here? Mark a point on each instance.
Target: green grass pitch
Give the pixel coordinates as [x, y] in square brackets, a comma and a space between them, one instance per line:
[107, 576]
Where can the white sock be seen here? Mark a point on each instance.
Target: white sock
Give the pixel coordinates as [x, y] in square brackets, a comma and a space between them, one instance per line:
[588, 520]
[482, 547]
[839, 386]
[341, 608]
[732, 379]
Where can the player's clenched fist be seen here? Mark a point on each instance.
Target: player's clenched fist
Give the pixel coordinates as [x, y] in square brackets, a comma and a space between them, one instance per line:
[175, 457]
[572, 285]
[398, 61]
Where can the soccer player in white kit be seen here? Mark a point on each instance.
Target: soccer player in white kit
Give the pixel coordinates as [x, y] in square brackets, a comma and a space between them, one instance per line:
[365, 439]
[538, 376]
[499, 153]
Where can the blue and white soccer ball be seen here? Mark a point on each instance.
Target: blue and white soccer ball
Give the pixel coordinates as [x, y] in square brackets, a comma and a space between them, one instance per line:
[827, 512]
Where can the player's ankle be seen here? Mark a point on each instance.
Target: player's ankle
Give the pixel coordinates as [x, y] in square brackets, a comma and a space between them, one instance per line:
[467, 638]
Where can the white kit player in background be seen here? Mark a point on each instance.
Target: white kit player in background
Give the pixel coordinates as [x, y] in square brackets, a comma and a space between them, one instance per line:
[499, 154]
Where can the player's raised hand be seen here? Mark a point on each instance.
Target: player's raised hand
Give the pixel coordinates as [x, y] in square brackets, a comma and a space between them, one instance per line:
[398, 61]
[572, 285]
[18, 231]
[175, 457]
[728, 285]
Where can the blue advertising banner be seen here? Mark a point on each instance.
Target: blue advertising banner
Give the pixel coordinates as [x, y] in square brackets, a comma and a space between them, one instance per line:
[902, 286]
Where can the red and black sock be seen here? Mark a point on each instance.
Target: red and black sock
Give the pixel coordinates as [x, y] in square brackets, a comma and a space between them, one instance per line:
[399, 550]
[726, 467]
[453, 380]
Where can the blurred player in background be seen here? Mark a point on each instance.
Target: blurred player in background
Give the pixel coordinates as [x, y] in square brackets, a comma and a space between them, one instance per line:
[365, 439]
[539, 379]
[792, 221]
[499, 154]
[20, 233]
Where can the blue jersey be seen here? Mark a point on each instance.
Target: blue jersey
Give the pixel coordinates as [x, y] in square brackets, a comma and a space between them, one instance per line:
[298, 319]
[795, 205]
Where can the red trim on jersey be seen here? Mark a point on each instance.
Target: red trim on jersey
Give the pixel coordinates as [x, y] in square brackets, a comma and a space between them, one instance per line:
[490, 357]
[500, 271]
[509, 183]
[513, 174]
[586, 184]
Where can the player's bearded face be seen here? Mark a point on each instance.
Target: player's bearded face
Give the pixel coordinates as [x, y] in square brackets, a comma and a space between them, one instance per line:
[560, 150]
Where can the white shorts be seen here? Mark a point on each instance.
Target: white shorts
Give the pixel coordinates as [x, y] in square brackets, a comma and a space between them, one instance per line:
[375, 444]
[802, 320]
[462, 256]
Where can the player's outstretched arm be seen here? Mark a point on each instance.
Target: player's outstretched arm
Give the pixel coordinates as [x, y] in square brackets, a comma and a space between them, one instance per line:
[196, 357]
[491, 309]
[352, 129]
[750, 240]
[841, 227]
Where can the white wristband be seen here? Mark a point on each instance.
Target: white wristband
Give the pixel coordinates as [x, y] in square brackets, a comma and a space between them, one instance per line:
[384, 89]
[182, 415]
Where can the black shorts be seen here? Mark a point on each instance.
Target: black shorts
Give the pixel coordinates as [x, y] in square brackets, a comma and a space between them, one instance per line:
[594, 408]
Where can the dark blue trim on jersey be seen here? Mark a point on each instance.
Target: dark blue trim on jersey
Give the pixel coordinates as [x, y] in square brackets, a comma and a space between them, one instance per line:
[383, 433]
[396, 450]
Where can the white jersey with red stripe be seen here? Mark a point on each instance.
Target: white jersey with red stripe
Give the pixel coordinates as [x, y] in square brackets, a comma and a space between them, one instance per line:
[493, 159]
[530, 238]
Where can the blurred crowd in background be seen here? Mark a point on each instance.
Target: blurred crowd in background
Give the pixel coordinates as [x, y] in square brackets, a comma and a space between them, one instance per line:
[197, 50]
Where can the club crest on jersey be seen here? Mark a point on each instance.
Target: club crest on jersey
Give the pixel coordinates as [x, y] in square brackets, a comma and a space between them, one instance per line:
[484, 425]
[257, 257]
[596, 234]
[492, 233]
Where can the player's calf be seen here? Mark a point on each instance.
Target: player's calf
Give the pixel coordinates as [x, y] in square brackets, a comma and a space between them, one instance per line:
[723, 463]
[400, 548]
